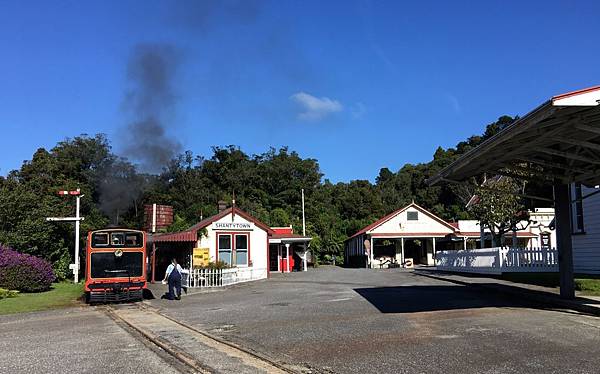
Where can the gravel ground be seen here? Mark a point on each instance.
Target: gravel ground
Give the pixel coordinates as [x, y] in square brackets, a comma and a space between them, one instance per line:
[376, 321]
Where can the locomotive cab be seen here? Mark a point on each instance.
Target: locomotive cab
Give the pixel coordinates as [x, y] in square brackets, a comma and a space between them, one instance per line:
[115, 265]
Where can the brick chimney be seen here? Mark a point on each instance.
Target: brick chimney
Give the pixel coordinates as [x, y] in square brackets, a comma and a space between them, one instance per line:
[157, 217]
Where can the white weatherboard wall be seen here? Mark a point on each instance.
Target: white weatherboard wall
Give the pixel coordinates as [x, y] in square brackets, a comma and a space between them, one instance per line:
[400, 224]
[258, 240]
[586, 247]
[470, 225]
[543, 217]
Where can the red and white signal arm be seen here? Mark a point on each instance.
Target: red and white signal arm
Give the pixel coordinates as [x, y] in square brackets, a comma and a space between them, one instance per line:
[74, 193]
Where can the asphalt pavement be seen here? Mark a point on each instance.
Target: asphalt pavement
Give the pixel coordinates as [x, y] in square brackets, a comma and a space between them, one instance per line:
[392, 321]
[328, 319]
[75, 340]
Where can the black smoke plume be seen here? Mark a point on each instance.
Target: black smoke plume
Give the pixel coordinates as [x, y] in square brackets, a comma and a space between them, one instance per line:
[146, 139]
[151, 103]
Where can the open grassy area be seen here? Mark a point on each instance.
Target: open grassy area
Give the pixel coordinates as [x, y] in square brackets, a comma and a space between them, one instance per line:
[586, 284]
[61, 295]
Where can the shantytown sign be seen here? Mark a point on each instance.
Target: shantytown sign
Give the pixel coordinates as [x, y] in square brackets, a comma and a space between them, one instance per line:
[233, 226]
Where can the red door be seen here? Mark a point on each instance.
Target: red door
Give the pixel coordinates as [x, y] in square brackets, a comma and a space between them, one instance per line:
[284, 259]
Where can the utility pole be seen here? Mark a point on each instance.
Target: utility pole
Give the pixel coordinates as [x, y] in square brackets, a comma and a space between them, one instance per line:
[303, 218]
[304, 261]
[77, 219]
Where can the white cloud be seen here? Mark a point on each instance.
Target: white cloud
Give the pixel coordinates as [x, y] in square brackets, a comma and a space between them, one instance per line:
[315, 108]
[454, 103]
[358, 110]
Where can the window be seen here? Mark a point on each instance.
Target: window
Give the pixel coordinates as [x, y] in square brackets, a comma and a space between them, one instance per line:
[132, 240]
[235, 253]
[241, 249]
[577, 209]
[225, 248]
[100, 239]
[412, 216]
[113, 239]
[117, 239]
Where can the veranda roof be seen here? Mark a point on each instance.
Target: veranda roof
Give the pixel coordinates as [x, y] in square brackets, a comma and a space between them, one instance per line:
[557, 141]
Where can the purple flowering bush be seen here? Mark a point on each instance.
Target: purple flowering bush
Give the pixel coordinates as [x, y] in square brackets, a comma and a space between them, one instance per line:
[22, 272]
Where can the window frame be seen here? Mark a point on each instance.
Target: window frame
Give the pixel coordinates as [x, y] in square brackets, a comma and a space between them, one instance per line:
[577, 214]
[415, 213]
[233, 250]
[245, 250]
[111, 234]
[229, 250]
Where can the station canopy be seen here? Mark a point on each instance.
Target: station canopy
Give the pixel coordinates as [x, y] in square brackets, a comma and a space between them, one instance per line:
[559, 141]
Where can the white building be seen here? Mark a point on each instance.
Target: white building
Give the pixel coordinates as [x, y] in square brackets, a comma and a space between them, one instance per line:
[234, 237]
[585, 228]
[414, 234]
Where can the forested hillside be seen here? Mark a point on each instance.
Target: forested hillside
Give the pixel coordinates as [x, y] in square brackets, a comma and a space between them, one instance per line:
[267, 185]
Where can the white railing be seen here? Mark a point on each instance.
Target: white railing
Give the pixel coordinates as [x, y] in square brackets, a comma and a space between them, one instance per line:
[498, 260]
[207, 278]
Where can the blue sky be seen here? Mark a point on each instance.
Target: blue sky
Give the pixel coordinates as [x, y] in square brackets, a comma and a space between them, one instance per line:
[358, 85]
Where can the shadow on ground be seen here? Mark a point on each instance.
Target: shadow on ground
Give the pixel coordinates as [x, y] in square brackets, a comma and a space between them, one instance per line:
[147, 294]
[413, 299]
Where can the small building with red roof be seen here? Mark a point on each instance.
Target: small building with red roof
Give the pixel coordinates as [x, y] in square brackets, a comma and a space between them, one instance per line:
[412, 235]
[236, 238]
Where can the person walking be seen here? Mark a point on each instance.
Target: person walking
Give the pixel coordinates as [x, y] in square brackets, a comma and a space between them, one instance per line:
[173, 276]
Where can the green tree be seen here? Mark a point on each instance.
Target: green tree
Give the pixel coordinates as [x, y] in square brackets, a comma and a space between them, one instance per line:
[498, 207]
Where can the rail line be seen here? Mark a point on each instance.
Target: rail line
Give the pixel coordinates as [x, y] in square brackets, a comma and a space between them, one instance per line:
[197, 350]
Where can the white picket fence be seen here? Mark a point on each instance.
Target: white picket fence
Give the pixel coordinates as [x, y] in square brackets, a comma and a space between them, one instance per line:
[207, 278]
[498, 260]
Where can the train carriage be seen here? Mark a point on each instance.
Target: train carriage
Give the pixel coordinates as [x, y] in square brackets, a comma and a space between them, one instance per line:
[115, 265]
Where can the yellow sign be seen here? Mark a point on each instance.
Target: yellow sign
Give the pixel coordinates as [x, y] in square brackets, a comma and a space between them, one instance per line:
[200, 257]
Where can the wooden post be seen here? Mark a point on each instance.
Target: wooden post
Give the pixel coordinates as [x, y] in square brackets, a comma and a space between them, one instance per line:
[304, 263]
[402, 246]
[287, 256]
[499, 262]
[153, 261]
[481, 235]
[562, 207]
[371, 252]
[279, 254]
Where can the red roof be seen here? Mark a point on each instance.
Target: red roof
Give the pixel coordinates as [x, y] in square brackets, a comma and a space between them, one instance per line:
[191, 234]
[469, 233]
[522, 234]
[288, 236]
[574, 93]
[282, 230]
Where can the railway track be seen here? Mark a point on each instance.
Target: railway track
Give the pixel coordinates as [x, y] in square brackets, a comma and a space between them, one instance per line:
[189, 349]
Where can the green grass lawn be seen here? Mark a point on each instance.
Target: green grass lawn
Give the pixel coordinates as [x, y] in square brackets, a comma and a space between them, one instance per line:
[60, 296]
[586, 284]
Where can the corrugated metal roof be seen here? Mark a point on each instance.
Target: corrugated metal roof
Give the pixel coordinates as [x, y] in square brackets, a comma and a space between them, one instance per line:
[191, 234]
[555, 142]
